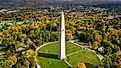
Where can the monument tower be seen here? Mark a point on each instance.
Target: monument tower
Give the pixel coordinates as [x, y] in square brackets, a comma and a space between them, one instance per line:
[61, 39]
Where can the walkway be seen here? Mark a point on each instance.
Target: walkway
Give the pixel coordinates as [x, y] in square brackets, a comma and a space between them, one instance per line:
[73, 53]
[43, 46]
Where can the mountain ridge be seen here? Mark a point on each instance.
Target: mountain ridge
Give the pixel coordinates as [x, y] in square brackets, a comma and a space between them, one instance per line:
[40, 3]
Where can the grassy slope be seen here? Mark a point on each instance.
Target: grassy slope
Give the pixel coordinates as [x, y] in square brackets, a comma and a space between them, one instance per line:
[83, 56]
[48, 56]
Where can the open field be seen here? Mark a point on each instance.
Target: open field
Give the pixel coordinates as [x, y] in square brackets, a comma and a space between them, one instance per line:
[75, 54]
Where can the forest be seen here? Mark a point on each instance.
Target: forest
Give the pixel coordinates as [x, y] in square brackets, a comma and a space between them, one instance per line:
[23, 31]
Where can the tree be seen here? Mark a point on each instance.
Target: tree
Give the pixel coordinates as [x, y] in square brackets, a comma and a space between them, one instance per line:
[116, 48]
[98, 37]
[6, 63]
[106, 62]
[68, 35]
[80, 65]
[54, 36]
[86, 37]
[108, 50]
[95, 45]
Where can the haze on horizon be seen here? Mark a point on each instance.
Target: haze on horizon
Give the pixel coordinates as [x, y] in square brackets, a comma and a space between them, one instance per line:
[38, 3]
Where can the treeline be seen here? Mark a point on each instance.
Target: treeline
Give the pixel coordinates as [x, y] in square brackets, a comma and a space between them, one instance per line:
[19, 42]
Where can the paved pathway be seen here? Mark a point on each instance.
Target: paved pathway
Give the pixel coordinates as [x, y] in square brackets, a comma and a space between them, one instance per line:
[68, 63]
[73, 53]
[43, 46]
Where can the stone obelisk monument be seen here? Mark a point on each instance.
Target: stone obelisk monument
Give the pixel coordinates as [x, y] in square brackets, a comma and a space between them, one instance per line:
[61, 39]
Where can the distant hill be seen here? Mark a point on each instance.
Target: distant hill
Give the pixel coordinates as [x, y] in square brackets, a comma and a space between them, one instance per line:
[44, 3]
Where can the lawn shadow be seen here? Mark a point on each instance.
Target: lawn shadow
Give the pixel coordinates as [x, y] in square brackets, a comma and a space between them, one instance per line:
[52, 56]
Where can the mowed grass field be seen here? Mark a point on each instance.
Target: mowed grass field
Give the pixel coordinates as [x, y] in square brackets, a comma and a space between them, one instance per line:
[75, 54]
[84, 56]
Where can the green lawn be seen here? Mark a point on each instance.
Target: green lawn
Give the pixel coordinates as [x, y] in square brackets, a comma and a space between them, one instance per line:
[48, 56]
[83, 56]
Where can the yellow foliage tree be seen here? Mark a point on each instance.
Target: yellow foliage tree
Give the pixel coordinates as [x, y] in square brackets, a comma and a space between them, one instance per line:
[69, 35]
[95, 45]
[13, 58]
[98, 37]
[113, 31]
[80, 65]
